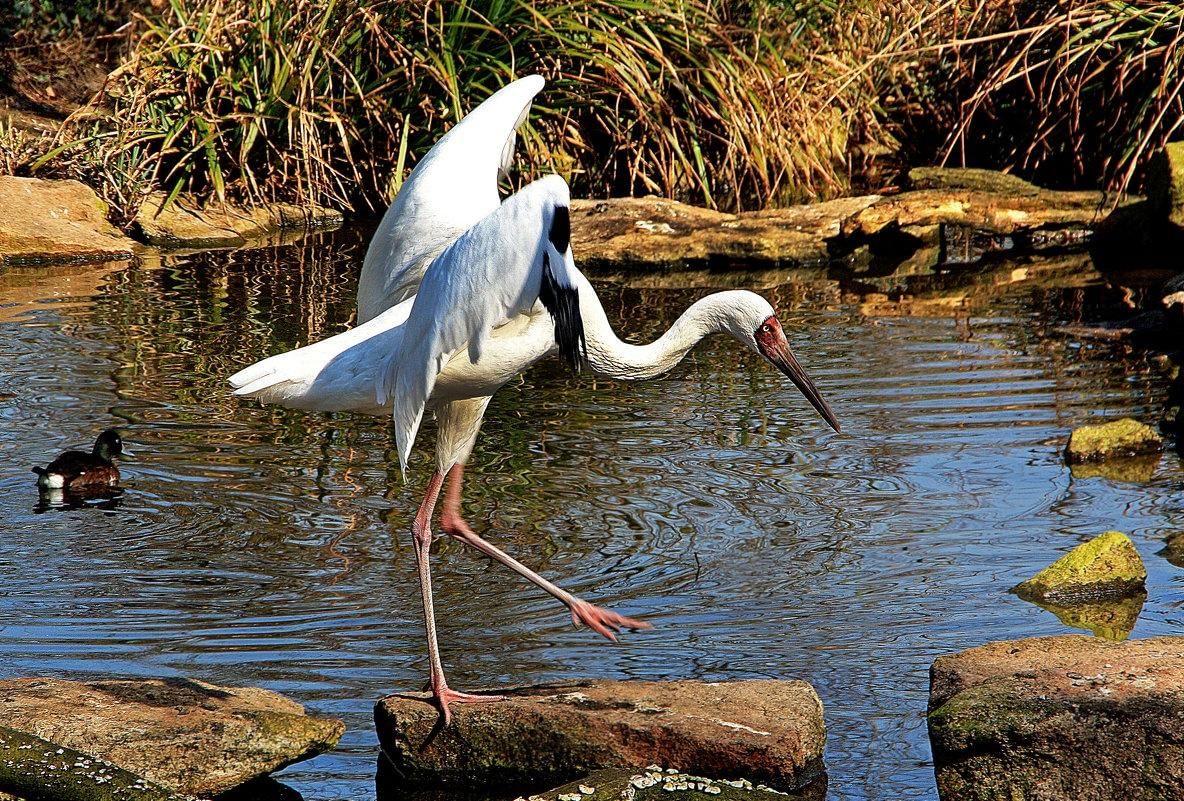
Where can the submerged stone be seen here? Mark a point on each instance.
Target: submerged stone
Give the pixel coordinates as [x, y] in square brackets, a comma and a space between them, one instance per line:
[1119, 438]
[1108, 566]
[654, 782]
[187, 736]
[1059, 719]
[768, 732]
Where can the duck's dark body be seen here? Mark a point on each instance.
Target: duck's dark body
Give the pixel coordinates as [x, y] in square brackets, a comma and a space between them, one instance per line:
[78, 469]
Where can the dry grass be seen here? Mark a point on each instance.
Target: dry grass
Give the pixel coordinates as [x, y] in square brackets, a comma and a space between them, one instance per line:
[330, 103]
[1068, 92]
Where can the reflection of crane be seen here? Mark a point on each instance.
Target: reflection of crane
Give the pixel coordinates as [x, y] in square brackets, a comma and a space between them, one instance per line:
[458, 325]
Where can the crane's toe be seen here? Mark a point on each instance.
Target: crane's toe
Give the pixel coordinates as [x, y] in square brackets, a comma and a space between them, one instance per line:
[602, 620]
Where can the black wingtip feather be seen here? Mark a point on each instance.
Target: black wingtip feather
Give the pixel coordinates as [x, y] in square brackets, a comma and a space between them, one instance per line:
[563, 302]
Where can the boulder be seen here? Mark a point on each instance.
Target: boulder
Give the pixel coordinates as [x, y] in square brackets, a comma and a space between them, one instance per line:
[1108, 566]
[185, 223]
[769, 732]
[187, 736]
[1117, 438]
[1165, 183]
[1069, 718]
[56, 221]
[654, 783]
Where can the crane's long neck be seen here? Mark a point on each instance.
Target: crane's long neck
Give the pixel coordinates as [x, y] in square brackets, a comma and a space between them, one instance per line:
[611, 357]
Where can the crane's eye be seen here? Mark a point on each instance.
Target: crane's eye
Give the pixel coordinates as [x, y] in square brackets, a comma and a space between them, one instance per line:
[766, 329]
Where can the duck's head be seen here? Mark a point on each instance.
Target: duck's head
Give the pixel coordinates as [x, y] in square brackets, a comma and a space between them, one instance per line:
[109, 444]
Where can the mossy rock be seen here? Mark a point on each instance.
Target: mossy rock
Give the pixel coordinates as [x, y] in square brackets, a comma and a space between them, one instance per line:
[1119, 438]
[1165, 182]
[35, 768]
[655, 783]
[1108, 566]
[977, 180]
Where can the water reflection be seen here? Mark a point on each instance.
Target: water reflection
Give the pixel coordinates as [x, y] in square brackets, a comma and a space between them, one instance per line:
[255, 545]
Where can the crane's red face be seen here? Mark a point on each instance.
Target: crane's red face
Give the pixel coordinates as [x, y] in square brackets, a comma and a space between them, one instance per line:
[771, 342]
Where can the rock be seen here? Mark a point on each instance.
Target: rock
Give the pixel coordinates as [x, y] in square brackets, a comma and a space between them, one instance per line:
[1108, 566]
[56, 221]
[769, 732]
[1165, 183]
[1113, 619]
[656, 233]
[1069, 718]
[184, 223]
[1173, 549]
[1067, 215]
[1124, 437]
[31, 767]
[973, 179]
[655, 783]
[190, 737]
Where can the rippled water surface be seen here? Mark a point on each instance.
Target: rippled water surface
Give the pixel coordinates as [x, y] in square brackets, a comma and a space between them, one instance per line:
[261, 546]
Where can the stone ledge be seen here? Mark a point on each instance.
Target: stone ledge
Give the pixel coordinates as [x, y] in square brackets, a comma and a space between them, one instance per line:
[769, 732]
[1059, 719]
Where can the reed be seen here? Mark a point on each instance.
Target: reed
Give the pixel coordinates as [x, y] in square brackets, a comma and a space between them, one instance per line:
[330, 103]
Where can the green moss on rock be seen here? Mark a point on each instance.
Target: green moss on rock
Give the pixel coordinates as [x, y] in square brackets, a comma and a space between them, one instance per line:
[1124, 437]
[1108, 566]
[31, 767]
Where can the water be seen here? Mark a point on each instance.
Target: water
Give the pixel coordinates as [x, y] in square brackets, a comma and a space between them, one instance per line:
[267, 547]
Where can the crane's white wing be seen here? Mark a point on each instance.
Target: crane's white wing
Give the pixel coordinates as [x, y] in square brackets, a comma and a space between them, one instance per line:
[518, 255]
[452, 188]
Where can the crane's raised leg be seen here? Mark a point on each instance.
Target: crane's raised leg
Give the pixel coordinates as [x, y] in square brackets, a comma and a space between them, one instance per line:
[594, 617]
[422, 533]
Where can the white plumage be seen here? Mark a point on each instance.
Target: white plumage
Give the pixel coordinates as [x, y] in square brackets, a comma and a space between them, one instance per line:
[451, 188]
[460, 293]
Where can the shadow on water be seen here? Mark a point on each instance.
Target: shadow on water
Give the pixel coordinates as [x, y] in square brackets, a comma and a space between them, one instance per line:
[261, 546]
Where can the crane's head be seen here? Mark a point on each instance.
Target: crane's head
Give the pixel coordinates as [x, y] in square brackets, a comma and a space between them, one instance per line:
[753, 322]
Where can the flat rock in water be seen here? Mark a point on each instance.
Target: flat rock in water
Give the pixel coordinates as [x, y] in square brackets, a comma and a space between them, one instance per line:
[45, 221]
[657, 233]
[1119, 438]
[1108, 566]
[769, 732]
[184, 223]
[187, 736]
[1069, 718]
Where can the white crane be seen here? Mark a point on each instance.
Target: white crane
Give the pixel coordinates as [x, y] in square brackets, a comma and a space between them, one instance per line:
[504, 293]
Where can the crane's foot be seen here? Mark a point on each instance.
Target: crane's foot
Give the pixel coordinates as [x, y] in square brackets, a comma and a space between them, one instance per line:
[446, 695]
[602, 620]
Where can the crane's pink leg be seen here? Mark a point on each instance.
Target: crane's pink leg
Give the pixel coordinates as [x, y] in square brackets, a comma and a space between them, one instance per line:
[442, 694]
[594, 617]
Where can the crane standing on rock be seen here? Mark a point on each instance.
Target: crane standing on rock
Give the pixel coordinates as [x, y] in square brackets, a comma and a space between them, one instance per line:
[460, 292]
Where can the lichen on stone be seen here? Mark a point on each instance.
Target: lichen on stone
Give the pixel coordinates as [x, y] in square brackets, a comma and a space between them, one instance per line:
[1119, 438]
[1108, 566]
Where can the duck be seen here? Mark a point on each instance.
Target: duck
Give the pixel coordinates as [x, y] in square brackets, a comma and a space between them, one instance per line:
[79, 469]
